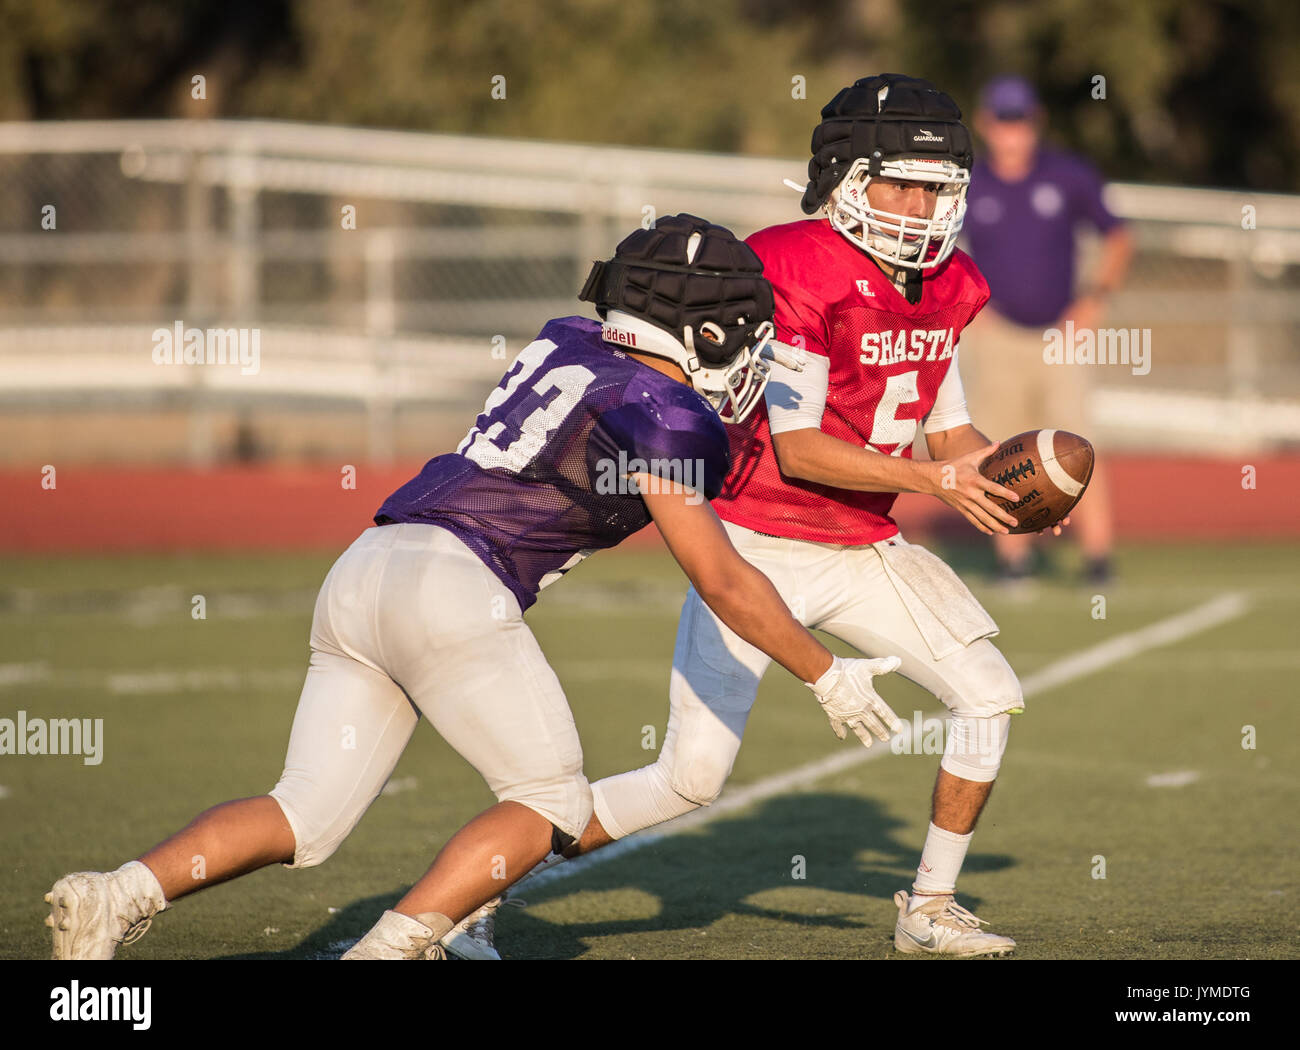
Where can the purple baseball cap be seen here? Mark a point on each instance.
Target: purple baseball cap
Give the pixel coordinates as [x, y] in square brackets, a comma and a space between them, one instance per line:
[1009, 97]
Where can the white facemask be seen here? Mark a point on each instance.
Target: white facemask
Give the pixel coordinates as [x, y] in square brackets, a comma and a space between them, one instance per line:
[904, 241]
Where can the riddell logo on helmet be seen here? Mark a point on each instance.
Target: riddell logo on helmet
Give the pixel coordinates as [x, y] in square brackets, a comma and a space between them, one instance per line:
[617, 335]
[927, 136]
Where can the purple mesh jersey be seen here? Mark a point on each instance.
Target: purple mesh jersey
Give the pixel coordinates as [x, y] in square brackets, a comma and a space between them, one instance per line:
[539, 482]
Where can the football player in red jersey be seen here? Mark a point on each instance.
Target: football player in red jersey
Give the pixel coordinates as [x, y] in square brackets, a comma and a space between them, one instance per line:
[875, 294]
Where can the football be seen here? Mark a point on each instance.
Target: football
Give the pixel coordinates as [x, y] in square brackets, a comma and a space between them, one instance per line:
[1049, 469]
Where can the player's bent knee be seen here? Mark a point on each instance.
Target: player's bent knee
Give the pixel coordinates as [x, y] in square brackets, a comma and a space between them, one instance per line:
[700, 761]
[697, 791]
[316, 835]
[700, 781]
[633, 801]
[975, 747]
[986, 685]
[566, 802]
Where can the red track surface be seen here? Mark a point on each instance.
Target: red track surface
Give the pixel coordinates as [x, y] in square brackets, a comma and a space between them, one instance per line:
[305, 508]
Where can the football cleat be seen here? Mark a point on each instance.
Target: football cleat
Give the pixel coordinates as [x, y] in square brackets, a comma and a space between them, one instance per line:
[398, 936]
[92, 912]
[1016, 583]
[941, 926]
[1098, 572]
[473, 937]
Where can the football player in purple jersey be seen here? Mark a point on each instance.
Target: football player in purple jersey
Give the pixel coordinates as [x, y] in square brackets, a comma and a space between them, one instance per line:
[596, 429]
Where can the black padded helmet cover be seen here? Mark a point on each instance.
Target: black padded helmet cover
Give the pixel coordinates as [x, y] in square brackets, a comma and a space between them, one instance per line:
[913, 119]
[668, 276]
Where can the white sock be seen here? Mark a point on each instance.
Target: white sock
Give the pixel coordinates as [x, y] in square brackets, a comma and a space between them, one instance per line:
[393, 924]
[941, 861]
[143, 884]
[430, 923]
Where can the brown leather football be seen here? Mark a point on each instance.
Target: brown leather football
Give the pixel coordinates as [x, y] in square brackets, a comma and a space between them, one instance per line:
[1049, 469]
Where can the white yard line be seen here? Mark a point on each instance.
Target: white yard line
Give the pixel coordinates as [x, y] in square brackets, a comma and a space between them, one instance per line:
[1088, 661]
[152, 682]
[1163, 632]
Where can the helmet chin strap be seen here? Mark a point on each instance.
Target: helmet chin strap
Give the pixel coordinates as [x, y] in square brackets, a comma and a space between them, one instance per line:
[912, 285]
[906, 282]
[688, 340]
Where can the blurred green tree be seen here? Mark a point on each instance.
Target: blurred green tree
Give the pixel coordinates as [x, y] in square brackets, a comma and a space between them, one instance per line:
[1204, 92]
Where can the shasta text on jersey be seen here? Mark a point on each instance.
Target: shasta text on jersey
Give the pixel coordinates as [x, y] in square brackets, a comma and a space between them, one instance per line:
[891, 348]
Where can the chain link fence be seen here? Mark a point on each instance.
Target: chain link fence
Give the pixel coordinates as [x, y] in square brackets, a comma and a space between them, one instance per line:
[383, 281]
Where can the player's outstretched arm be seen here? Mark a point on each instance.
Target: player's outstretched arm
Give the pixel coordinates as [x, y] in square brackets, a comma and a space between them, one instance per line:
[958, 453]
[815, 456]
[745, 600]
[811, 454]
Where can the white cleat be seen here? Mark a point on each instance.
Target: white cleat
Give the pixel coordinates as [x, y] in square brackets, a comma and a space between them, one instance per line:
[396, 936]
[473, 937]
[92, 912]
[941, 926]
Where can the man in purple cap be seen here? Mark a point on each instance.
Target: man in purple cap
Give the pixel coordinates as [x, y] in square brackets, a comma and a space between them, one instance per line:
[1025, 204]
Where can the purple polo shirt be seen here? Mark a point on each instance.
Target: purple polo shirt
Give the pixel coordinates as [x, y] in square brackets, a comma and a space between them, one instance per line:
[1022, 234]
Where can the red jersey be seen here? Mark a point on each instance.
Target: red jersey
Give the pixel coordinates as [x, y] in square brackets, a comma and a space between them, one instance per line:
[887, 359]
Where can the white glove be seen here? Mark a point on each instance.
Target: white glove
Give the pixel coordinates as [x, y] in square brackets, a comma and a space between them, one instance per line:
[850, 702]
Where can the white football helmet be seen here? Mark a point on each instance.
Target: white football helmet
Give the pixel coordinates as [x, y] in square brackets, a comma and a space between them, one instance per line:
[905, 241]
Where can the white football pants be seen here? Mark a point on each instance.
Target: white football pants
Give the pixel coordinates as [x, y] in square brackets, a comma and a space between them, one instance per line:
[410, 622]
[844, 591]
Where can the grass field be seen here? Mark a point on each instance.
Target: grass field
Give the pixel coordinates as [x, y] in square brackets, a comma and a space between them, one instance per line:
[1199, 864]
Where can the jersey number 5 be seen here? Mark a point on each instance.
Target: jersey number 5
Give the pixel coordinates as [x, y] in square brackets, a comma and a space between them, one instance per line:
[887, 428]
